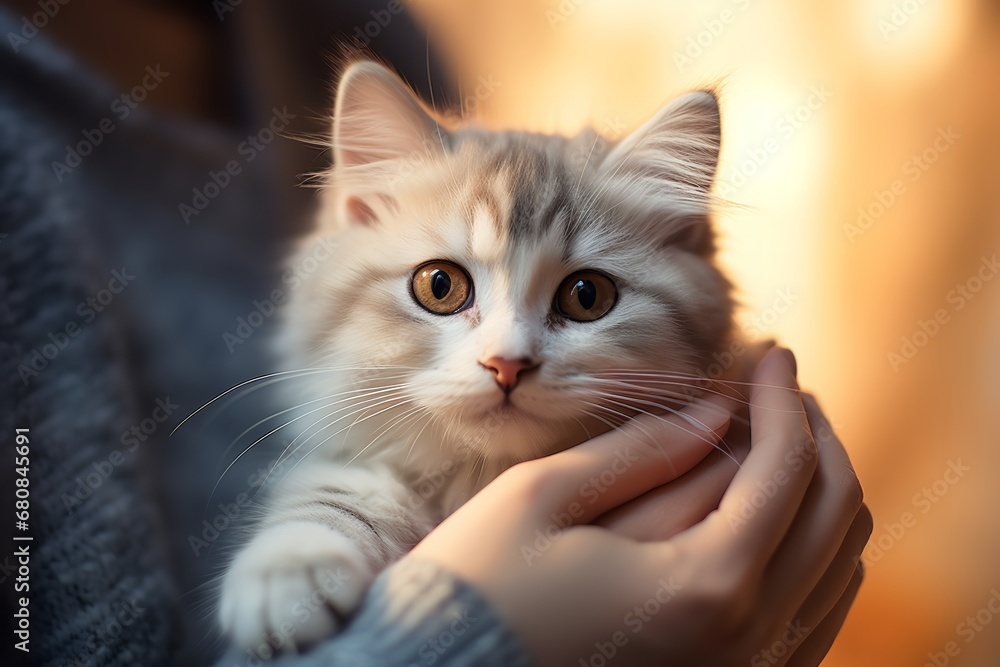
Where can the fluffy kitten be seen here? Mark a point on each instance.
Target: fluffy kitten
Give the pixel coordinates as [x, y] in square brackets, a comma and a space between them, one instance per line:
[492, 297]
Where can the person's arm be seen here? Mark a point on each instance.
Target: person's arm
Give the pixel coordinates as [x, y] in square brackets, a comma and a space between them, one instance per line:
[416, 613]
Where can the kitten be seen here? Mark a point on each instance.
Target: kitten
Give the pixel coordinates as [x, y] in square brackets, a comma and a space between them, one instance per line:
[491, 297]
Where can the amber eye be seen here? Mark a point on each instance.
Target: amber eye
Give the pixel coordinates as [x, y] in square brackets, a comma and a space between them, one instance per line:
[442, 288]
[586, 296]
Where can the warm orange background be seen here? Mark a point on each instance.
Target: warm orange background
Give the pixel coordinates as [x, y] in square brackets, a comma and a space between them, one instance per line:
[897, 72]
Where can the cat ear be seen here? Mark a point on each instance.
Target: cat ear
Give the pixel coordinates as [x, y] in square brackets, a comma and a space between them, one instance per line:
[379, 128]
[667, 166]
[378, 118]
[679, 145]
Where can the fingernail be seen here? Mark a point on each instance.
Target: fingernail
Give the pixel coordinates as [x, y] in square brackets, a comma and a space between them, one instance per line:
[789, 358]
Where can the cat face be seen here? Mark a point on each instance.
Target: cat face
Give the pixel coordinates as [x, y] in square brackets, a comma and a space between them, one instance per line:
[512, 290]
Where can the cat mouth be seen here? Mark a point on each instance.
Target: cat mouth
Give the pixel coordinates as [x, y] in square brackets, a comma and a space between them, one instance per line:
[492, 408]
[504, 406]
[509, 407]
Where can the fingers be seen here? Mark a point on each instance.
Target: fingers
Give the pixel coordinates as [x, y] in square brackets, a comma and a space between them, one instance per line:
[805, 638]
[811, 652]
[670, 509]
[766, 493]
[818, 532]
[835, 580]
[616, 467]
[822, 604]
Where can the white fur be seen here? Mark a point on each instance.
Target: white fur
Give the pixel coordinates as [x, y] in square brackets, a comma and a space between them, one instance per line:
[410, 454]
[285, 582]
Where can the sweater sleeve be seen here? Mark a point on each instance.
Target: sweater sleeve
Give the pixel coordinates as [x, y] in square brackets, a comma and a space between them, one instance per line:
[415, 614]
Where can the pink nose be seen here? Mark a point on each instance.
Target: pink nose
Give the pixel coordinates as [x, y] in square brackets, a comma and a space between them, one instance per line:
[507, 371]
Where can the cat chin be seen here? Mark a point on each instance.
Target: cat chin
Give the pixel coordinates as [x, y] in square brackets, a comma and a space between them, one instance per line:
[518, 409]
[509, 434]
[490, 408]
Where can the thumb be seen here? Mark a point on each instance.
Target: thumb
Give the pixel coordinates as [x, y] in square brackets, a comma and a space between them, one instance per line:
[620, 465]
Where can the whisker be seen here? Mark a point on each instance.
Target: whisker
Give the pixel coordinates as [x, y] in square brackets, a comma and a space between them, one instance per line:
[378, 400]
[743, 401]
[416, 438]
[283, 458]
[258, 440]
[262, 385]
[341, 431]
[685, 399]
[624, 419]
[295, 372]
[689, 376]
[679, 382]
[612, 425]
[678, 413]
[681, 398]
[362, 393]
[395, 422]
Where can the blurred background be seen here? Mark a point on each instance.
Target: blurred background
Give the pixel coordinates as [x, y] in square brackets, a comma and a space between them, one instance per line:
[860, 160]
[859, 217]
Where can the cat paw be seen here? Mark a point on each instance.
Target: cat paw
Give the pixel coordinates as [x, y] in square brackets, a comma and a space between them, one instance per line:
[292, 586]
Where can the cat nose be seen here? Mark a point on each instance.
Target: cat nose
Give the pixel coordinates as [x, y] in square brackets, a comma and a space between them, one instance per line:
[507, 372]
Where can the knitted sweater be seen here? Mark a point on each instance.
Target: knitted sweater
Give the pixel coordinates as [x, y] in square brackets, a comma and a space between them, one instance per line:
[113, 580]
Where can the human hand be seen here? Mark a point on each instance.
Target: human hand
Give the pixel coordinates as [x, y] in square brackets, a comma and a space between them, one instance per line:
[766, 578]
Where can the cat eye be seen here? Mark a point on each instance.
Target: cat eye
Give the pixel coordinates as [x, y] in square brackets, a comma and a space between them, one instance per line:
[585, 296]
[442, 288]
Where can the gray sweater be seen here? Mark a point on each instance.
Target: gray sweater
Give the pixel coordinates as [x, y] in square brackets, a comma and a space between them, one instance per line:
[414, 615]
[113, 579]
